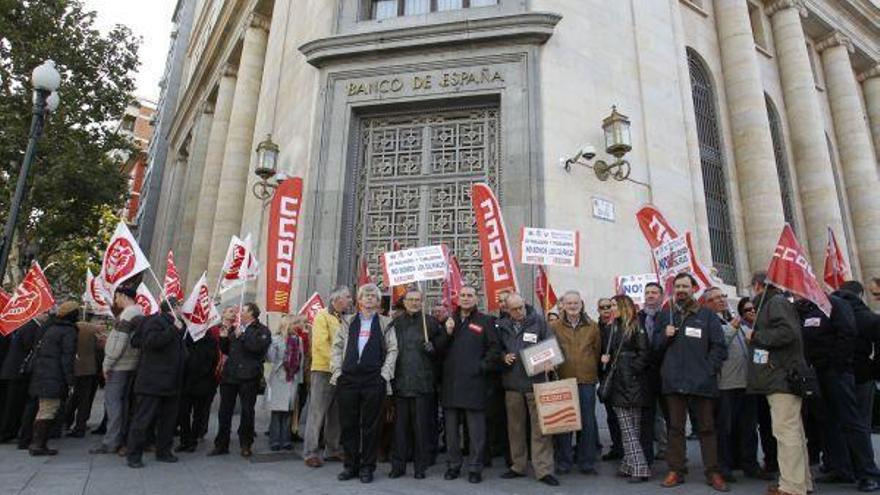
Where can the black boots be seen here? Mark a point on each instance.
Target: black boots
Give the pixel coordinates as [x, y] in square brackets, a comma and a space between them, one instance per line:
[41, 435]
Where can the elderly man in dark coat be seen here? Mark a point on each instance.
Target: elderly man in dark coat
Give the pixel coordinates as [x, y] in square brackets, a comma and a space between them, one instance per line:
[158, 382]
[53, 373]
[470, 351]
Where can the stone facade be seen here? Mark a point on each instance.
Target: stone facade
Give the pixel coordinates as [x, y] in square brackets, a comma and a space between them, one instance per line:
[386, 120]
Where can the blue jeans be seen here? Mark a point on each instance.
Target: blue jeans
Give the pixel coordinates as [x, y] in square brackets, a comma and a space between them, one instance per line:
[848, 447]
[586, 438]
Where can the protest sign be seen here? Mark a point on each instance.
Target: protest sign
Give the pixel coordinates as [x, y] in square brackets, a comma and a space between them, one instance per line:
[414, 265]
[549, 247]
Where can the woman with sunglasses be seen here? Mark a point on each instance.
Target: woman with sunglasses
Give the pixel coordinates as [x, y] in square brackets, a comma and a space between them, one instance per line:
[626, 358]
[747, 313]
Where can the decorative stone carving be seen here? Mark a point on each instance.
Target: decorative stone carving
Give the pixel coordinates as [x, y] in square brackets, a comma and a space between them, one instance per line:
[775, 6]
[836, 38]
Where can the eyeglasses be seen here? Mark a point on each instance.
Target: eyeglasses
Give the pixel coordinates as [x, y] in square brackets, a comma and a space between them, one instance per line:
[748, 310]
[605, 307]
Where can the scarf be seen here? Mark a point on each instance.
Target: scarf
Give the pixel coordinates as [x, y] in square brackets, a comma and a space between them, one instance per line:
[291, 357]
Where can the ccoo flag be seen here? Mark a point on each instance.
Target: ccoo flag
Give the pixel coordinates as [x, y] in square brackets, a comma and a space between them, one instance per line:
[791, 271]
[499, 273]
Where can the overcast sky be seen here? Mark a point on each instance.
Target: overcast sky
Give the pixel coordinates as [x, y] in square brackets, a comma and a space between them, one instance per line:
[150, 19]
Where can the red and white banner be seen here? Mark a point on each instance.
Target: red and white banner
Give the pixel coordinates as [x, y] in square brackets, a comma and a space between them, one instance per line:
[144, 298]
[836, 267]
[123, 258]
[453, 282]
[790, 270]
[4, 298]
[658, 231]
[32, 297]
[549, 247]
[311, 307]
[414, 265]
[198, 311]
[364, 276]
[172, 279]
[544, 290]
[499, 273]
[235, 272]
[283, 224]
[96, 296]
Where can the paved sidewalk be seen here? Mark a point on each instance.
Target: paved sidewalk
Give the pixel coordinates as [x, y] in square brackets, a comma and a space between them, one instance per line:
[75, 471]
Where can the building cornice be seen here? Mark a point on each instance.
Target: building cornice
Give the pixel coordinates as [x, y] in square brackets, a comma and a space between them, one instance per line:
[836, 38]
[531, 27]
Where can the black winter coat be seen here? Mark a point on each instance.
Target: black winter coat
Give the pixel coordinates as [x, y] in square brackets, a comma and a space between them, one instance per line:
[20, 344]
[163, 355]
[53, 361]
[414, 368]
[201, 361]
[868, 338]
[693, 356]
[829, 343]
[629, 386]
[533, 330]
[469, 356]
[246, 353]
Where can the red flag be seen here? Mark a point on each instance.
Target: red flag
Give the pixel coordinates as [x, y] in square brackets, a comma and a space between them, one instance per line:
[144, 298]
[452, 284]
[790, 270]
[364, 276]
[172, 279]
[544, 290]
[658, 231]
[398, 292]
[836, 269]
[32, 297]
[199, 311]
[311, 307]
[283, 224]
[4, 298]
[499, 273]
[123, 258]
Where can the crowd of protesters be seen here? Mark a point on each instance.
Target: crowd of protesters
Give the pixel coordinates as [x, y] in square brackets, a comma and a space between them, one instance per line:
[364, 383]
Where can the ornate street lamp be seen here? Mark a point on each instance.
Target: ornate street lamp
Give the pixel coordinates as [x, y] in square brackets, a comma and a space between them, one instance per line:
[45, 79]
[618, 142]
[267, 168]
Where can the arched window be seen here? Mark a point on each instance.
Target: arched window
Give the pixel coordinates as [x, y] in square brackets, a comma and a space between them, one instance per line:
[781, 162]
[712, 164]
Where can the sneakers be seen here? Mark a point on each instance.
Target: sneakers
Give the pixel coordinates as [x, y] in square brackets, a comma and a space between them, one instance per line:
[716, 481]
[672, 479]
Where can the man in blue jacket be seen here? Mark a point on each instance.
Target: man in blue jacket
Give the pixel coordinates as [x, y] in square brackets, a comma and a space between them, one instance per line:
[693, 350]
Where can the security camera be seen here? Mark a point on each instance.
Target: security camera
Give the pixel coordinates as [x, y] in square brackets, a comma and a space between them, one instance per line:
[588, 151]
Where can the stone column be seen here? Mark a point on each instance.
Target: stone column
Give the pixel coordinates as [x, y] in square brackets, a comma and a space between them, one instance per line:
[187, 213]
[858, 163]
[207, 198]
[175, 185]
[815, 178]
[871, 89]
[760, 197]
[238, 152]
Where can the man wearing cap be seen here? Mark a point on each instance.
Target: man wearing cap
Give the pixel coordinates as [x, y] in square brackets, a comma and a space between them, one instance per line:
[120, 363]
[53, 373]
[158, 383]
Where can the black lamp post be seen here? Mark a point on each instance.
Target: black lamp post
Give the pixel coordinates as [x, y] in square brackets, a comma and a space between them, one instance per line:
[45, 79]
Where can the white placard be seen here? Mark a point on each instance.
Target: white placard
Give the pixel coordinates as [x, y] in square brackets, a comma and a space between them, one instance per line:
[550, 247]
[413, 265]
[634, 285]
[673, 257]
[603, 209]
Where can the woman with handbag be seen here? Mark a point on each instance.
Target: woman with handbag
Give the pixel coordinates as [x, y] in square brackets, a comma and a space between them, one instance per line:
[625, 388]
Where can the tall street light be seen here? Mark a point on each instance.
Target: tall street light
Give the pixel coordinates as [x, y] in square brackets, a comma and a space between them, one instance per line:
[45, 79]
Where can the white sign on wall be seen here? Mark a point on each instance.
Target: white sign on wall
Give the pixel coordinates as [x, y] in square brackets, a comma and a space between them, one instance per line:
[549, 247]
[603, 209]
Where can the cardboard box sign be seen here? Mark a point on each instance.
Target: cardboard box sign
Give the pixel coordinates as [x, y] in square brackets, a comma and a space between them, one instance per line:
[535, 357]
[559, 409]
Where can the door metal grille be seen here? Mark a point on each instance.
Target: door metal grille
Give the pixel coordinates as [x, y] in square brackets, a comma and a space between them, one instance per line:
[712, 164]
[416, 172]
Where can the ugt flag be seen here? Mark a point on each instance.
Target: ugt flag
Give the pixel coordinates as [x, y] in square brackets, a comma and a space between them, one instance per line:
[123, 258]
[172, 279]
[198, 311]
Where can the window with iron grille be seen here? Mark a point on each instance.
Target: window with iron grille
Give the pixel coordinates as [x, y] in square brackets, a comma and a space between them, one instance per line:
[384, 9]
[712, 164]
[781, 162]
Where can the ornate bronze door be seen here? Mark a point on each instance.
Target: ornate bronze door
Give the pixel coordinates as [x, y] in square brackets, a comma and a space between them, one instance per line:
[416, 172]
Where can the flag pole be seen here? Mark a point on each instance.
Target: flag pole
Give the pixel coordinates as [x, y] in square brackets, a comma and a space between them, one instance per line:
[546, 292]
[424, 317]
[164, 295]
